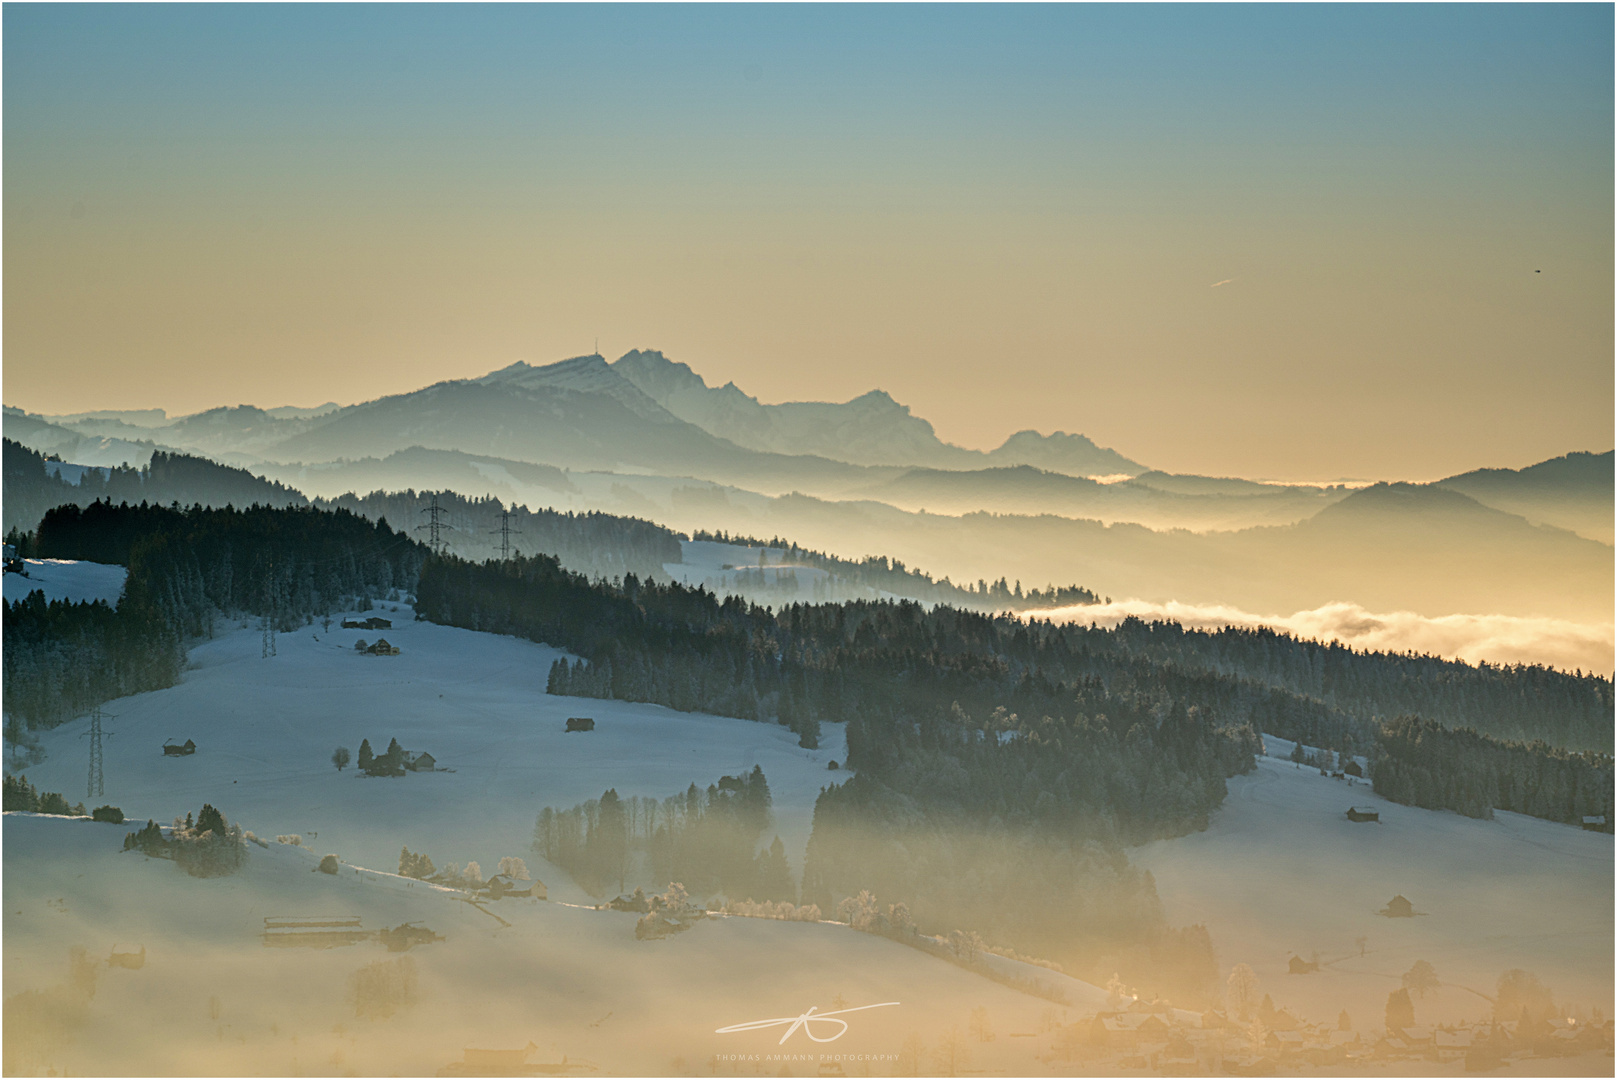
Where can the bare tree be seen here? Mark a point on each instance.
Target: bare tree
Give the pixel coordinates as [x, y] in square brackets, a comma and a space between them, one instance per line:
[952, 1052]
[340, 758]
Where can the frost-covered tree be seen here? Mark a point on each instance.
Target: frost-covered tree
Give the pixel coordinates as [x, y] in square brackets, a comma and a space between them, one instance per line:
[1400, 1011]
[1421, 978]
[513, 867]
[1243, 987]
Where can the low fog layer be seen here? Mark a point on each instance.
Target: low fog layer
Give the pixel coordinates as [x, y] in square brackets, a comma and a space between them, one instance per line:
[1496, 639]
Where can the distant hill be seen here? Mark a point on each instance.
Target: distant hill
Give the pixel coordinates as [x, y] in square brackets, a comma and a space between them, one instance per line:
[1573, 492]
[1182, 503]
[72, 445]
[31, 489]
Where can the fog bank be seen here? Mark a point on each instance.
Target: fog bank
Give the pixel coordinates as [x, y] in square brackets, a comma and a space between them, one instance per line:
[1498, 639]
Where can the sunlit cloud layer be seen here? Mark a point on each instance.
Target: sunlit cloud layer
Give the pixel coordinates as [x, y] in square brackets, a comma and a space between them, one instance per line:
[1497, 639]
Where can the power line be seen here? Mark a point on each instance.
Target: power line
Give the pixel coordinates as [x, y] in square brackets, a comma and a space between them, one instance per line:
[97, 785]
[272, 614]
[435, 525]
[505, 532]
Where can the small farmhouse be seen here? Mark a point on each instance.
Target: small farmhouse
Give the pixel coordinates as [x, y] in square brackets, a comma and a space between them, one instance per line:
[372, 623]
[1355, 814]
[1595, 823]
[503, 885]
[580, 723]
[422, 762]
[173, 749]
[1299, 966]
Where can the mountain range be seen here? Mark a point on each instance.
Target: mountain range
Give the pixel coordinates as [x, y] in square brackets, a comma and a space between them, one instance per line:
[647, 437]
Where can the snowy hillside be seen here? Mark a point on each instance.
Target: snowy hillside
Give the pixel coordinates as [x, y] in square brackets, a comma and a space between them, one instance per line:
[210, 999]
[721, 568]
[65, 579]
[265, 729]
[1283, 872]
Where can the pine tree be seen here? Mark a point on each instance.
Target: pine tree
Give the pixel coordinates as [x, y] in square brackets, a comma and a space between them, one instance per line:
[367, 757]
[1400, 1011]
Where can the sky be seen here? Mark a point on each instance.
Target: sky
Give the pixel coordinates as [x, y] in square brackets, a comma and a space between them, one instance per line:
[1291, 242]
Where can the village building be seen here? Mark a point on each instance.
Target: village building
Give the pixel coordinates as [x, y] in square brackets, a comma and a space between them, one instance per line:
[502, 885]
[1299, 966]
[1355, 814]
[173, 749]
[1286, 1042]
[422, 762]
[1595, 822]
[1128, 1031]
[1399, 908]
[1452, 1045]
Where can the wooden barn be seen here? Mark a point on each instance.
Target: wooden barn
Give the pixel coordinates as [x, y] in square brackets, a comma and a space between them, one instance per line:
[174, 749]
[1399, 908]
[1355, 814]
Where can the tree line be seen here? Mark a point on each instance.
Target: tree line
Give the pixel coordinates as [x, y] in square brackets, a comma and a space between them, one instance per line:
[595, 544]
[1420, 762]
[706, 840]
[874, 575]
[168, 478]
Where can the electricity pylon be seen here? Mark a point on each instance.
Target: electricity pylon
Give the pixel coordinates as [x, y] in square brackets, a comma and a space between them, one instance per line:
[434, 526]
[97, 785]
[505, 532]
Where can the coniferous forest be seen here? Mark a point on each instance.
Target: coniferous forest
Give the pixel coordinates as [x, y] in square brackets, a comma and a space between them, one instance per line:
[288, 565]
[1422, 763]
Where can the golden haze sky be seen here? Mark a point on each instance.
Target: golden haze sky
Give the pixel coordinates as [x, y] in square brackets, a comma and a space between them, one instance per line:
[1006, 218]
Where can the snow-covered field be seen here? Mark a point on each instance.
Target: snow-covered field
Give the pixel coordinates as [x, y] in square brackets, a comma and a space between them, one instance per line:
[1282, 871]
[210, 999]
[265, 729]
[719, 567]
[65, 579]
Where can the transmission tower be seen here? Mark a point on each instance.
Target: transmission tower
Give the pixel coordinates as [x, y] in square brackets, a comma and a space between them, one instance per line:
[435, 526]
[505, 532]
[97, 785]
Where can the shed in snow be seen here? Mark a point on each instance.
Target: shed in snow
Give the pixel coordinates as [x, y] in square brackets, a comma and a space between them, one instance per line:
[1299, 966]
[1595, 822]
[1355, 814]
[174, 749]
[1398, 908]
[580, 723]
[1352, 768]
[422, 762]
